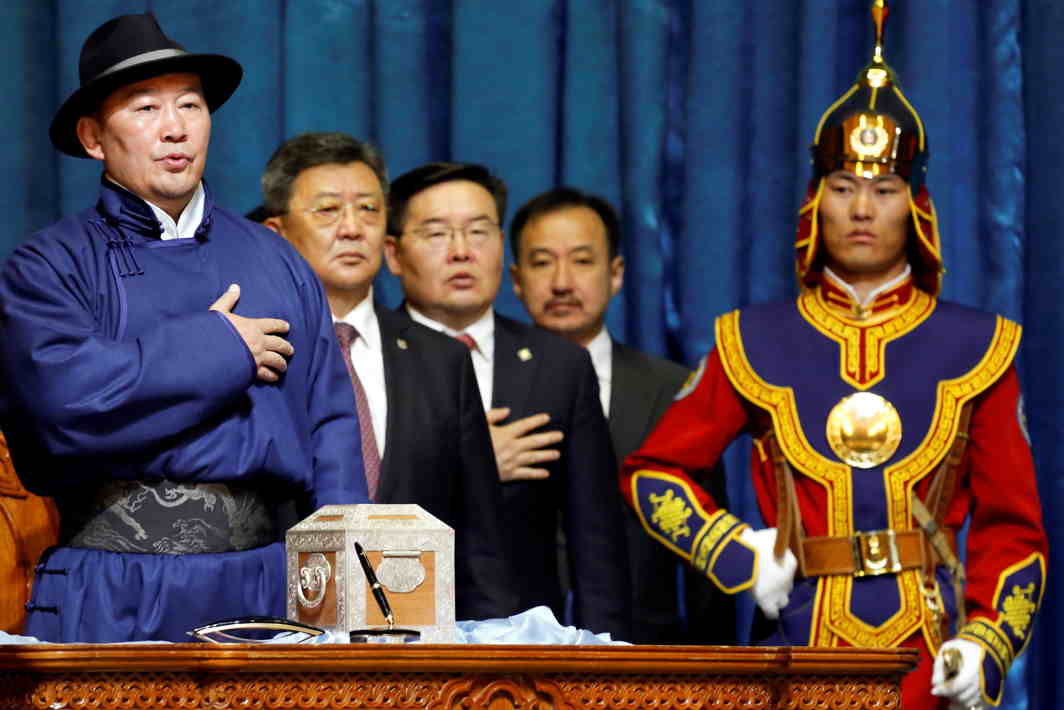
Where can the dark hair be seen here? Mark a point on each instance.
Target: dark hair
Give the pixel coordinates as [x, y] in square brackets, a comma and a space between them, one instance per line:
[257, 214]
[558, 199]
[420, 179]
[310, 150]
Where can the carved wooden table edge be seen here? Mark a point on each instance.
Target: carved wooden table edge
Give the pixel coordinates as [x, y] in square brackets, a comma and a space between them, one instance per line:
[435, 677]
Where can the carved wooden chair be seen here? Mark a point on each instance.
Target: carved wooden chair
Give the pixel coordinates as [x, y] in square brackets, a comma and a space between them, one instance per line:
[29, 524]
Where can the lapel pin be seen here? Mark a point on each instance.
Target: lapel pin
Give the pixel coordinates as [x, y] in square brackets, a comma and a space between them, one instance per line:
[401, 343]
[524, 354]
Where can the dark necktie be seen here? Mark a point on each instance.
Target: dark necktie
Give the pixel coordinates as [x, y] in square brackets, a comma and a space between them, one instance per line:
[371, 460]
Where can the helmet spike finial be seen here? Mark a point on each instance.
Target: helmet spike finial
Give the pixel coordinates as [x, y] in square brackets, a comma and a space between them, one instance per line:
[880, 11]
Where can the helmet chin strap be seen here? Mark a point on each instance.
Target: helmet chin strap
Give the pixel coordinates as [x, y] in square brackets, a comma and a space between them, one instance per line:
[926, 261]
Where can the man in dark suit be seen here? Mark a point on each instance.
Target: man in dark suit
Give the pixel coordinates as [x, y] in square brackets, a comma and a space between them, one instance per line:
[428, 435]
[567, 267]
[445, 245]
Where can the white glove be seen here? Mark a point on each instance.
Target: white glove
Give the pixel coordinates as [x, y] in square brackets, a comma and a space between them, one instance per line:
[775, 578]
[964, 690]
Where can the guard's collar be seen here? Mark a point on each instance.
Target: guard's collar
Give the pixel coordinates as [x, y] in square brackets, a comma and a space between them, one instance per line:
[842, 298]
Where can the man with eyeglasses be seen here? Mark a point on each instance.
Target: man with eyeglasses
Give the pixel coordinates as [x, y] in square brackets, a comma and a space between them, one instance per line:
[424, 430]
[445, 245]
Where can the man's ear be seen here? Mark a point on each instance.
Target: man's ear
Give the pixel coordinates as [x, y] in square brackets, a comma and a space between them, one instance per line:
[88, 130]
[391, 247]
[274, 223]
[616, 274]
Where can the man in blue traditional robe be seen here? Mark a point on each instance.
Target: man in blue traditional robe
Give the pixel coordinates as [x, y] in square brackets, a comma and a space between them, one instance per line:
[170, 374]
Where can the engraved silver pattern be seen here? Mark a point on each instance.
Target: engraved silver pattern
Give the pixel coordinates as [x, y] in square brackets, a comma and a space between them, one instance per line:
[401, 570]
[314, 542]
[312, 580]
[384, 529]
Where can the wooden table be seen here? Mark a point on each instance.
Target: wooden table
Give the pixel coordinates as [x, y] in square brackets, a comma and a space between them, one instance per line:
[436, 677]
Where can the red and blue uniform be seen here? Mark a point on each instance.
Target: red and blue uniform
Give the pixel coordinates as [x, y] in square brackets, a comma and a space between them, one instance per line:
[779, 369]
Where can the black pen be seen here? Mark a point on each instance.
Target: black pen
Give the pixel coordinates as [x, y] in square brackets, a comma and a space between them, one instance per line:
[378, 590]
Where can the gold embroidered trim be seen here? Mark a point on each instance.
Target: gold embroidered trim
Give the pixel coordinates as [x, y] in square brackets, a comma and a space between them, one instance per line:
[691, 500]
[1000, 589]
[901, 625]
[864, 367]
[987, 635]
[993, 639]
[1018, 609]
[810, 242]
[819, 634]
[703, 546]
[733, 538]
[670, 514]
[931, 244]
[900, 478]
[780, 404]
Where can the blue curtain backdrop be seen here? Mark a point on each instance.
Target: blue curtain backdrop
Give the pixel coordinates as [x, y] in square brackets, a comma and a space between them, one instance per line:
[693, 115]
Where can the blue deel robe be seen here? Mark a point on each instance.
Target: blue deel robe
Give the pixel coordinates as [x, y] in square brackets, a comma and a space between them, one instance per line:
[114, 368]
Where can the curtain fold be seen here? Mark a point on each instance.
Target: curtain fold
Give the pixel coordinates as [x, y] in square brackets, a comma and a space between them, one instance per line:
[30, 193]
[694, 117]
[1041, 271]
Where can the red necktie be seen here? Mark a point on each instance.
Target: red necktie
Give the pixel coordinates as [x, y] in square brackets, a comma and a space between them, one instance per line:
[468, 340]
[371, 460]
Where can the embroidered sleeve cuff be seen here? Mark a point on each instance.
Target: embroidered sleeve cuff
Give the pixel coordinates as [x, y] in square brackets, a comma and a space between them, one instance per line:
[996, 660]
[730, 562]
[1004, 636]
[672, 514]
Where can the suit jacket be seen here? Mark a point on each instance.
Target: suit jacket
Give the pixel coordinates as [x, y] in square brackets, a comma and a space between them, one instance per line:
[438, 454]
[536, 371]
[642, 388]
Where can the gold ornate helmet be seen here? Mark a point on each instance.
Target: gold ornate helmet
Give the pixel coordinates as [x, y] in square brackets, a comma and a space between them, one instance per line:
[871, 130]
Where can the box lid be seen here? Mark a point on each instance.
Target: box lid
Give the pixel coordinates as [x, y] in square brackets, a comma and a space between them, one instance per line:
[370, 516]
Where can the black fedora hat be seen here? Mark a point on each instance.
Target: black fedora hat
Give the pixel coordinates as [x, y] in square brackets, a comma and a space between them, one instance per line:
[128, 49]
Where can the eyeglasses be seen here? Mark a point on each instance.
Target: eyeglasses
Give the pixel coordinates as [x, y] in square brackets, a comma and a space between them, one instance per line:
[327, 213]
[437, 237]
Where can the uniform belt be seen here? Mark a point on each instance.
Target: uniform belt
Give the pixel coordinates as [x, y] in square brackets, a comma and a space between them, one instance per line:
[167, 517]
[866, 554]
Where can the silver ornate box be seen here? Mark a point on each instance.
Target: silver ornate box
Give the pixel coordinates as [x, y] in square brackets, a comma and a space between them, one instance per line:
[411, 551]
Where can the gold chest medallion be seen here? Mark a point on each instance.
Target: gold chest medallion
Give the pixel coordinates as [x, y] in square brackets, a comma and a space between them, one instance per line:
[864, 429]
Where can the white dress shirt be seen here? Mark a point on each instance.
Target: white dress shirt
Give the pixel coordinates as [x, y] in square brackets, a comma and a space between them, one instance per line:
[482, 331]
[187, 223]
[367, 357]
[601, 350]
[871, 297]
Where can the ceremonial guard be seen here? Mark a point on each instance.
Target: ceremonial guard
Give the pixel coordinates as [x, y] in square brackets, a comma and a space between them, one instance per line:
[882, 418]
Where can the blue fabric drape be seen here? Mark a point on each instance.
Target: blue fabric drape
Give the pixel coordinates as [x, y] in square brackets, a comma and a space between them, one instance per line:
[1040, 271]
[693, 115]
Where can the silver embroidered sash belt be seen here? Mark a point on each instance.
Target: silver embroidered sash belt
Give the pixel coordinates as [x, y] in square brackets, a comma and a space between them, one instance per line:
[168, 518]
